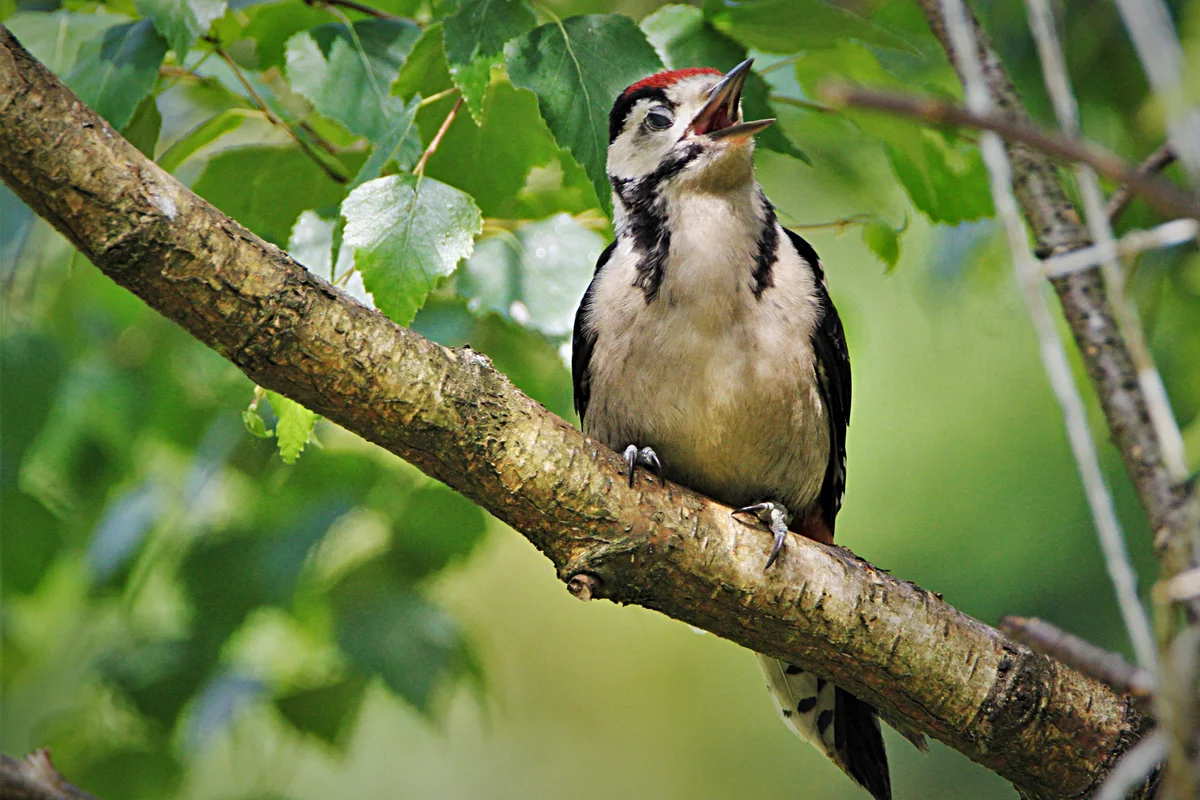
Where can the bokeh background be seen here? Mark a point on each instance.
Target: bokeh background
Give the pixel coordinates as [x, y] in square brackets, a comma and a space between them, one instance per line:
[185, 615]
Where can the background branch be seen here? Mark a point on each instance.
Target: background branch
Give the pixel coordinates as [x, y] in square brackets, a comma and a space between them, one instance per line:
[449, 413]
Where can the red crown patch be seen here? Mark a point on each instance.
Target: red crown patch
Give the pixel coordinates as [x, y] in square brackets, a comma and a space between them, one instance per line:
[664, 79]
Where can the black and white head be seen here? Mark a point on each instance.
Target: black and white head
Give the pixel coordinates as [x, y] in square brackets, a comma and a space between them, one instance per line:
[683, 127]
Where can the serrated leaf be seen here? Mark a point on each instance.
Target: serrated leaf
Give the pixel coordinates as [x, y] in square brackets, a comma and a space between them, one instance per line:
[392, 632]
[408, 233]
[116, 70]
[491, 161]
[55, 38]
[535, 278]
[272, 24]
[142, 131]
[883, 241]
[424, 72]
[181, 22]
[480, 28]
[577, 68]
[472, 79]
[786, 26]
[347, 73]
[684, 38]
[266, 188]
[294, 427]
[327, 712]
[946, 182]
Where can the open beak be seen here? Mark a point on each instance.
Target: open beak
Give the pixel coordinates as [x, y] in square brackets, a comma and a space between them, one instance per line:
[718, 118]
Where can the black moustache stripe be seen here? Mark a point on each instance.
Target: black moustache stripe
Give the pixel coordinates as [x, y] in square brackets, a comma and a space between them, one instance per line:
[766, 250]
[647, 218]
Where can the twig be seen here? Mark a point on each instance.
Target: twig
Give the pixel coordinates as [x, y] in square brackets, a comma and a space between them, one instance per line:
[35, 778]
[1156, 162]
[1054, 355]
[274, 119]
[361, 8]
[433, 98]
[1136, 766]
[419, 169]
[1103, 665]
[1165, 196]
[1169, 234]
[795, 101]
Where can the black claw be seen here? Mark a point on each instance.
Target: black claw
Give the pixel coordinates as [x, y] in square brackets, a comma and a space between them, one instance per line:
[645, 457]
[777, 518]
[780, 537]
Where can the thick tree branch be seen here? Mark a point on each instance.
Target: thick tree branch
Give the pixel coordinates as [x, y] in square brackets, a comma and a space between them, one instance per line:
[1049, 729]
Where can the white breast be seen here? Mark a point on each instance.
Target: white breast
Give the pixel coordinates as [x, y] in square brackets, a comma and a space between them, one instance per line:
[720, 383]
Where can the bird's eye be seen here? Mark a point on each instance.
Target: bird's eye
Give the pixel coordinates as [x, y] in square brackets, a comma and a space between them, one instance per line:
[659, 120]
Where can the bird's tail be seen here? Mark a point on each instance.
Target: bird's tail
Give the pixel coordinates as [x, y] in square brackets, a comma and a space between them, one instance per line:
[834, 721]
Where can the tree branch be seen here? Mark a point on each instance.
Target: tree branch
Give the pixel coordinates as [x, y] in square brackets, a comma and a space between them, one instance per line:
[1047, 728]
[1171, 507]
[35, 778]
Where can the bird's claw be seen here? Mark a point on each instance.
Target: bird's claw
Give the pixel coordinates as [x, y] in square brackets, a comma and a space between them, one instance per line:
[777, 518]
[644, 457]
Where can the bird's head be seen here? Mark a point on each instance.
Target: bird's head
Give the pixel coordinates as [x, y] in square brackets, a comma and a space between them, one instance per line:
[683, 126]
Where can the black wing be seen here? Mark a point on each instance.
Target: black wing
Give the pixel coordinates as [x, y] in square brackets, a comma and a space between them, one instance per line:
[833, 378]
[583, 341]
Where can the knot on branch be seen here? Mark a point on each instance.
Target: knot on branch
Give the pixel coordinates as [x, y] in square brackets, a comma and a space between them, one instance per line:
[584, 586]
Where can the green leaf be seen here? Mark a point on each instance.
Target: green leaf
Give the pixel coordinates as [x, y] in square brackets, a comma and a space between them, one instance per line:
[142, 131]
[327, 712]
[786, 26]
[390, 631]
[181, 22]
[347, 73]
[115, 71]
[407, 233]
[491, 161]
[401, 145]
[266, 188]
[294, 427]
[480, 28]
[55, 38]
[883, 241]
[685, 39]
[577, 68]
[272, 24]
[475, 36]
[254, 423]
[946, 181]
[203, 134]
[424, 72]
[535, 278]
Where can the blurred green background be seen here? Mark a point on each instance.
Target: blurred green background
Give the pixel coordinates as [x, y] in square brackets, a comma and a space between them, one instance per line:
[186, 615]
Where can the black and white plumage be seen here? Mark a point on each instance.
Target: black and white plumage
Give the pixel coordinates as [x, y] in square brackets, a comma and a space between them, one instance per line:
[708, 338]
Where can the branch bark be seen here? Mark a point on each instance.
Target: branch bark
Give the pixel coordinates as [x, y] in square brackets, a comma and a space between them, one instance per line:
[1050, 730]
[35, 778]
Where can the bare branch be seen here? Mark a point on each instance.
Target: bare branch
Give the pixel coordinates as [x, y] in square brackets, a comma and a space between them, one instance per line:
[1164, 196]
[1156, 162]
[35, 778]
[453, 416]
[1105, 666]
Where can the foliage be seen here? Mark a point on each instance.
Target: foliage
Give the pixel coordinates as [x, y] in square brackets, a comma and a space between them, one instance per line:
[219, 569]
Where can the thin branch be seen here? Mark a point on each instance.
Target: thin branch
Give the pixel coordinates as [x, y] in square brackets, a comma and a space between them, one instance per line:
[1169, 234]
[419, 169]
[1103, 665]
[361, 8]
[798, 103]
[1054, 354]
[1058, 85]
[1156, 162]
[1163, 195]
[453, 416]
[1135, 768]
[436, 96]
[35, 778]
[274, 119]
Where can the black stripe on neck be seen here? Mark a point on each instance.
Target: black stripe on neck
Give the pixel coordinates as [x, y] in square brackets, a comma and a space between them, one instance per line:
[766, 251]
[646, 218]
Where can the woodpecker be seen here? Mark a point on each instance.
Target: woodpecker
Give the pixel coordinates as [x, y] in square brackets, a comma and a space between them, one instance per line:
[707, 350]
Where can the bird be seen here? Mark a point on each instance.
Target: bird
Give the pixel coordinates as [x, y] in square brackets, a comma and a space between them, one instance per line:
[707, 350]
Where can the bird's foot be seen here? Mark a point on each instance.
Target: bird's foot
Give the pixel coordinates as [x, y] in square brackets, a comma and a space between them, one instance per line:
[643, 457]
[777, 518]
